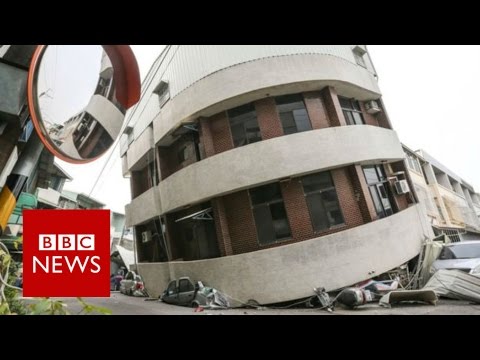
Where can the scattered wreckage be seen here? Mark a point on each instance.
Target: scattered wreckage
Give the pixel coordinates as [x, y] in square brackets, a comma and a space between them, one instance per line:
[424, 285]
[418, 281]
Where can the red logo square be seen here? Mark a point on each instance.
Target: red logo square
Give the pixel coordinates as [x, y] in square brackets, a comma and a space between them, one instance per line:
[66, 253]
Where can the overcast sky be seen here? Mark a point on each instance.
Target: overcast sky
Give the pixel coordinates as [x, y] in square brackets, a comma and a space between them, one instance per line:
[430, 94]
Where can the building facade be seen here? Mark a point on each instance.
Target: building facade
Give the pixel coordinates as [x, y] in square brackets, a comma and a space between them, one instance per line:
[451, 204]
[253, 167]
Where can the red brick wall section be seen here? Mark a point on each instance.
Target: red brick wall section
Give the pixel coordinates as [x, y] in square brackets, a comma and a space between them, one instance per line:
[402, 201]
[346, 197]
[316, 110]
[297, 210]
[369, 118]
[241, 224]
[365, 202]
[382, 117]
[221, 227]
[221, 133]
[332, 104]
[268, 118]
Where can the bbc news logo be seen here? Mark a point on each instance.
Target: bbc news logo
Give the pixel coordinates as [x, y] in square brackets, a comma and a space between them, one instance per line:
[66, 253]
[58, 264]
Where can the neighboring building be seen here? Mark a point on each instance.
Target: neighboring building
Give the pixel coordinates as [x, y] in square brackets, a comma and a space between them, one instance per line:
[451, 204]
[266, 171]
[74, 200]
[121, 243]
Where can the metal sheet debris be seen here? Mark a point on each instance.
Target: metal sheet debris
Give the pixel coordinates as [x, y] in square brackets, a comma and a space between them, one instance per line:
[394, 297]
[455, 284]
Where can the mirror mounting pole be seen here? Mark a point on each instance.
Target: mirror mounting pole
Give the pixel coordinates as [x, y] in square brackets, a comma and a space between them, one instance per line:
[17, 179]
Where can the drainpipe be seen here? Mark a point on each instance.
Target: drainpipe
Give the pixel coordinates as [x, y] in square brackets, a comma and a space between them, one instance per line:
[24, 167]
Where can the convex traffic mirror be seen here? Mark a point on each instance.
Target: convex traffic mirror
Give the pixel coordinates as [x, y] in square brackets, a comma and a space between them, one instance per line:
[78, 96]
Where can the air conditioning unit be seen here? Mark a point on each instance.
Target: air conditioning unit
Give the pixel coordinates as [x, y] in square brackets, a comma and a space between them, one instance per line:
[146, 236]
[401, 187]
[372, 107]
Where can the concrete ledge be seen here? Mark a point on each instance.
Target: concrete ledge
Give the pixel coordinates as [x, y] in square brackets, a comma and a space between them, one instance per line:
[143, 208]
[277, 158]
[290, 272]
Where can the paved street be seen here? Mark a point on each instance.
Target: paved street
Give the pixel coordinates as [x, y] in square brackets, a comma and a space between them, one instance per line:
[127, 305]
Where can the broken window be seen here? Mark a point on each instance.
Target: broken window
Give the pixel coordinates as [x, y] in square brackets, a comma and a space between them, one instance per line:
[293, 114]
[244, 125]
[322, 201]
[269, 213]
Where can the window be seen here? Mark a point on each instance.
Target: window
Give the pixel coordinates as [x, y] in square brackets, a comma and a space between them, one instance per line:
[351, 111]
[269, 213]
[322, 201]
[244, 125]
[182, 155]
[163, 92]
[185, 285]
[293, 114]
[379, 189]
[358, 53]
[412, 163]
[172, 288]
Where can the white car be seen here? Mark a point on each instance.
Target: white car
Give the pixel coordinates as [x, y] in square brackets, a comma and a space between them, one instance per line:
[131, 283]
[464, 256]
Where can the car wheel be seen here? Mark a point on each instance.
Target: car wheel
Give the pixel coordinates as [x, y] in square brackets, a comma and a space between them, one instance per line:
[194, 304]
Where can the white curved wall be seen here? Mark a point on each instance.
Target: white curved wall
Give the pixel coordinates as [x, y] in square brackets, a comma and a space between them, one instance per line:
[278, 158]
[198, 74]
[332, 261]
[250, 81]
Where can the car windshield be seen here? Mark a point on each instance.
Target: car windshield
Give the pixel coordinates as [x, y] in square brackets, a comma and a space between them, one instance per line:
[461, 251]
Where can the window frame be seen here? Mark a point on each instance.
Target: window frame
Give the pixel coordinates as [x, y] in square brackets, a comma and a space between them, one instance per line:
[234, 122]
[353, 108]
[282, 112]
[311, 193]
[268, 205]
[376, 193]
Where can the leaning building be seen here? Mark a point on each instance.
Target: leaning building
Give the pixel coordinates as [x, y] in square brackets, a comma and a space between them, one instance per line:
[266, 171]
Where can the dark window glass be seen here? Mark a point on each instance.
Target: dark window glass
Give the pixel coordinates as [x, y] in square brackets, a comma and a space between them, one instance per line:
[182, 154]
[379, 190]
[293, 114]
[244, 125]
[269, 213]
[184, 285]
[264, 224]
[172, 288]
[280, 221]
[317, 211]
[265, 194]
[322, 201]
[351, 111]
[317, 182]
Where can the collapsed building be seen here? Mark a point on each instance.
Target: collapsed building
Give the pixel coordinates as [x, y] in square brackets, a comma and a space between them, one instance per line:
[266, 171]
